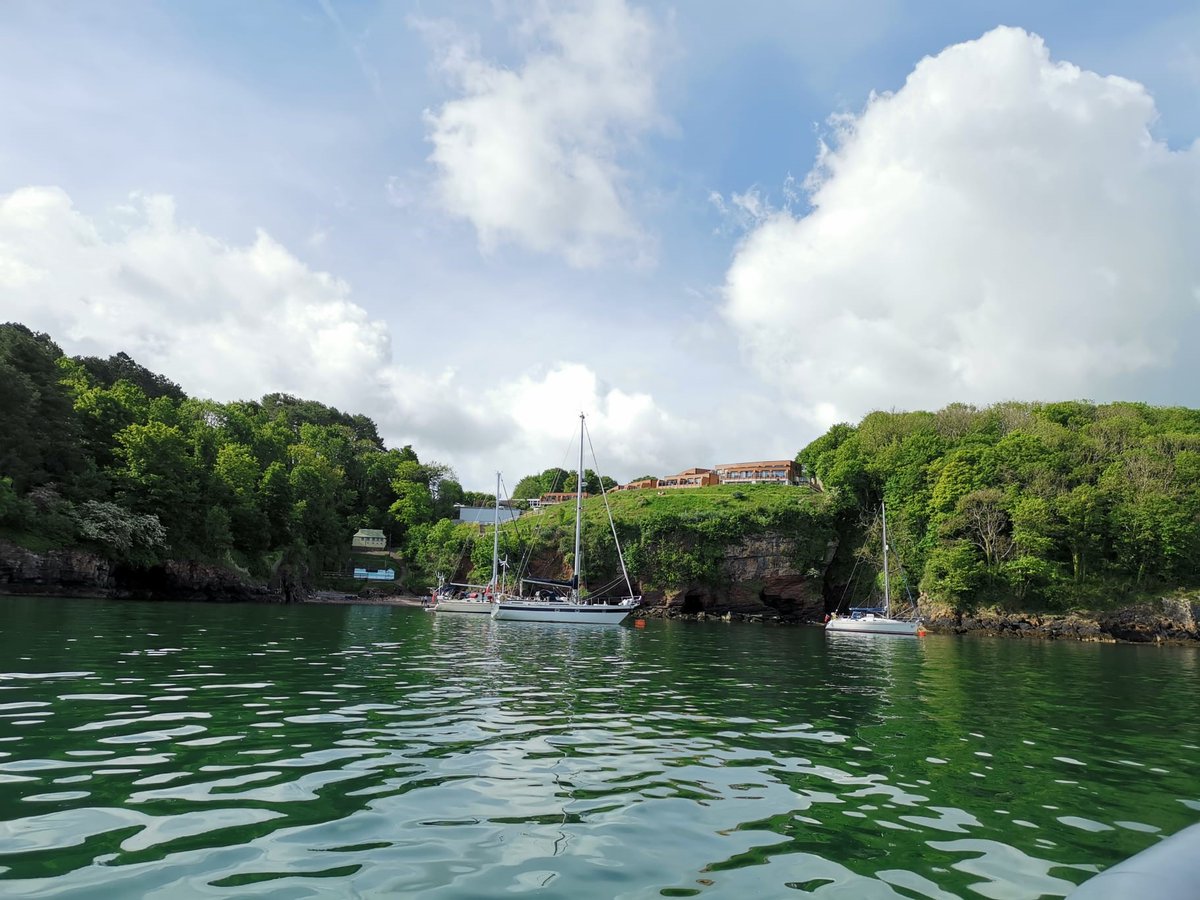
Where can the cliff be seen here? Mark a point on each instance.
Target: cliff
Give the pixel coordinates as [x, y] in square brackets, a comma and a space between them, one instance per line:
[74, 573]
[759, 579]
[1167, 620]
[746, 552]
[80, 573]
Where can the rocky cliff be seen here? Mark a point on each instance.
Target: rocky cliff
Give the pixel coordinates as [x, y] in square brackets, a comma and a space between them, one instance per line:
[759, 581]
[1168, 620]
[59, 572]
[78, 573]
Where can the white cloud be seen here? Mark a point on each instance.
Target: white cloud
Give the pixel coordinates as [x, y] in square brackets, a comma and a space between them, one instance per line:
[629, 431]
[223, 320]
[1004, 225]
[236, 322]
[532, 155]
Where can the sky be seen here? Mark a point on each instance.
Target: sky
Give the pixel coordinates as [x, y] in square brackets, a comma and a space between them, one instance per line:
[714, 228]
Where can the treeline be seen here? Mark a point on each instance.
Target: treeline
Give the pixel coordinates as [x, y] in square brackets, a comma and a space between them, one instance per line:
[1025, 504]
[558, 480]
[106, 454]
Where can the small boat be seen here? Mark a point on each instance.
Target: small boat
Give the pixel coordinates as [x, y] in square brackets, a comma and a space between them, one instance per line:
[876, 619]
[548, 604]
[1168, 870]
[474, 598]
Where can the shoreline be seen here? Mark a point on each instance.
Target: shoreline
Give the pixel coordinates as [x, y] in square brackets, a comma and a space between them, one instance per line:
[341, 598]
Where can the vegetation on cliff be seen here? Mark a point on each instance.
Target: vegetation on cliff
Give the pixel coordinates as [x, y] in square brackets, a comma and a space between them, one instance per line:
[1024, 505]
[671, 538]
[104, 454]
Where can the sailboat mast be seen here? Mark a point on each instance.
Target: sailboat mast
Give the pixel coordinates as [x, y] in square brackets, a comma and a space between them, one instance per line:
[496, 536]
[887, 596]
[578, 509]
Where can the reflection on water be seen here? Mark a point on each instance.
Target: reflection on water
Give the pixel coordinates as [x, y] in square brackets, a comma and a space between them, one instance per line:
[331, 751]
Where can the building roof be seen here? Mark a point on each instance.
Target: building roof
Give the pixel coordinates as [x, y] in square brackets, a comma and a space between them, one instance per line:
[369, 532]
[767, 462]
[483, 515]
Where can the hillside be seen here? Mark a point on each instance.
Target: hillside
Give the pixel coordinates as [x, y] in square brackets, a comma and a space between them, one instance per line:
[1022, 506]
[751, 549]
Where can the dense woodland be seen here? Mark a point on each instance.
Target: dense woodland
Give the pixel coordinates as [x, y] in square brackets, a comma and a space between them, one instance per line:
[105, 454]
[1027, 505]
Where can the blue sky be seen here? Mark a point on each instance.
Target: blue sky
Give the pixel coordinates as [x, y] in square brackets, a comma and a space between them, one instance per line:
[470, 220]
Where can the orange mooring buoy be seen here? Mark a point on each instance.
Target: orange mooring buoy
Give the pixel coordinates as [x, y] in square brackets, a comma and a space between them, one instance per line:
[639, 623]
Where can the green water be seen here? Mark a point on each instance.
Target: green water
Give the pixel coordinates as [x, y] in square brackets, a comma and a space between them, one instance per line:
[226, 751]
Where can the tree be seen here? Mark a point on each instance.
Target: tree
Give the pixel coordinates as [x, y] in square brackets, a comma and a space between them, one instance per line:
[275, 493]
[529, 488]
[1083, 519]
[10, 503]
[591, 482]
[39, 440]
[413, 505]
[952, 574]
[982, 517]
[159, 477]
[449, 495]
[236, 475]
[122, 534]
[122, 367]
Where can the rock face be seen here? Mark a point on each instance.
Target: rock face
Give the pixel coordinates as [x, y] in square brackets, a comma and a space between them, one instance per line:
[760, 582]
[76, 573]
[56, 572]
[1169, 620]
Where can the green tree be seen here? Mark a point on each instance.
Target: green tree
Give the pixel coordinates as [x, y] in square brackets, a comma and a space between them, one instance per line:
[39, 441]
[159, 476]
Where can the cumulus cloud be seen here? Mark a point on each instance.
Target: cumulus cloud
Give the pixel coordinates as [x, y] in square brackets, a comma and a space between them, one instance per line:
[235, 322]
[1004, 225]
[630, 431]
[532, 154]
[220, 319]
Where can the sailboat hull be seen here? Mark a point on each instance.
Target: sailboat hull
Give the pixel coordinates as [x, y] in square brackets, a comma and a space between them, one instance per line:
[486, 607]
[581, 613]
[873, 625]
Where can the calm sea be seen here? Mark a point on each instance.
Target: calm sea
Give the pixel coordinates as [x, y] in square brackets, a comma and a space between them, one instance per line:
[182, 750]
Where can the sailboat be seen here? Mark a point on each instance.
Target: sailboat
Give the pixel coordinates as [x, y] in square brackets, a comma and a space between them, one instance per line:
[468, 598]
[876, 619]
[547, 605]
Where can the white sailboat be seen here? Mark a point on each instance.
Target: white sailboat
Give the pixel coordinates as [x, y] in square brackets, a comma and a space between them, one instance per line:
[573, 607]
[876, 619]
[475, 598]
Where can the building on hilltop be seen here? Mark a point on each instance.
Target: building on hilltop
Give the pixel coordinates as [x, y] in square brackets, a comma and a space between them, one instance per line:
[368, 539]
[690, 478]
[640, 484]
[776, 471]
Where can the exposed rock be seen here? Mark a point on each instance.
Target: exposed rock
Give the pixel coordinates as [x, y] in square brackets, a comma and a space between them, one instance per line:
[1169, 620]
[77, 573]
[760, 582]
[55, 572]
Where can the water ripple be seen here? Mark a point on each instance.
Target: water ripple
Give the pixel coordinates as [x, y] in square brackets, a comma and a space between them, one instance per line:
[373, 751]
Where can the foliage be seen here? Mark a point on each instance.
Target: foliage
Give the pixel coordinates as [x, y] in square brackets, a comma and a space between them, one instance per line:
[107, 454]
[126, 536]
[1027, 504]
[670, 539]
[561, 481]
